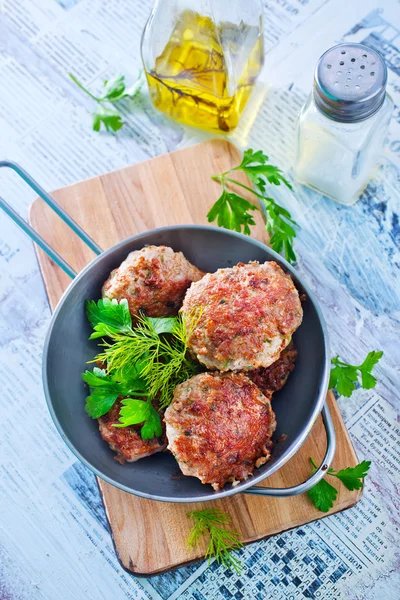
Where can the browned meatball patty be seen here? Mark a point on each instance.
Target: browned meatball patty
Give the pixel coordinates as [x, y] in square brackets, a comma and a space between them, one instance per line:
[248, 315]
[154, 280]
[272, 379]
[127, 441]
[219, 427]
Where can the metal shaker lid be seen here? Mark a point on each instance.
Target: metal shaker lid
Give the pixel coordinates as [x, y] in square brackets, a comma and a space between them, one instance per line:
[350, 82]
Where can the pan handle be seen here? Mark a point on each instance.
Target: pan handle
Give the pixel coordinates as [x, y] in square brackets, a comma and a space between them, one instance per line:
[319, 473]
[57, 209]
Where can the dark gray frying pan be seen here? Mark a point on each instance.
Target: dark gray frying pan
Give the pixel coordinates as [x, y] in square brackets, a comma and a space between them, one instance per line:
[67, 349]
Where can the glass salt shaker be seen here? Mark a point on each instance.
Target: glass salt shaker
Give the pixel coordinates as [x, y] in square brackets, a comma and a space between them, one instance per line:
[343, 125]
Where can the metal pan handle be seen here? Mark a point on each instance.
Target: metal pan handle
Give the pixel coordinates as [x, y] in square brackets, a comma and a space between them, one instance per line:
[319, 473]
[57, 209]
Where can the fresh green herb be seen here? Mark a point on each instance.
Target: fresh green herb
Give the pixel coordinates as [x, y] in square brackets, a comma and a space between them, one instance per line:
[352, 476]
[155, 350]
[164, 360]
[137, 411]
[147, 360]
[254, 164]
[344, 376]
[108, 312]
[109, 117]
[104, 391]
[152, 427]
[234, 212]
[222, 540]
[323, 494]
[113, 91]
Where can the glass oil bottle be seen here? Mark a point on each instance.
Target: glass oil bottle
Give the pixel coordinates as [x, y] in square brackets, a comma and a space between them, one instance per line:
[202, 59]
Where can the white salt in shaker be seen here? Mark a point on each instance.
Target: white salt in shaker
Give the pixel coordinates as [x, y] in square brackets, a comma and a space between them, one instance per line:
[343, 125]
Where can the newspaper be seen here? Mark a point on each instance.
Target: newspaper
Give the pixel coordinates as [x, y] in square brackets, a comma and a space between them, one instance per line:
[54, 537]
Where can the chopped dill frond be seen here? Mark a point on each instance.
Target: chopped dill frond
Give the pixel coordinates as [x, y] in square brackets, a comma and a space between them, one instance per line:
[156, 349]
[215, 523]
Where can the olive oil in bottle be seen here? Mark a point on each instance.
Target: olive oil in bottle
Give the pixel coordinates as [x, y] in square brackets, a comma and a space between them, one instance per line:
[206, 72]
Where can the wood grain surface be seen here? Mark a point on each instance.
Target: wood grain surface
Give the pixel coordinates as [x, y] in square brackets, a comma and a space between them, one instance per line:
[173, 189]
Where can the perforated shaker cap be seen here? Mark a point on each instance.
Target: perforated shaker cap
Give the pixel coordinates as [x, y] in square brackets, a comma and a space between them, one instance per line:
[350, 82]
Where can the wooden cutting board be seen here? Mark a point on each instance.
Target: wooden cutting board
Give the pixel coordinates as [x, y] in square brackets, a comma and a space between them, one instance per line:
[149, 536]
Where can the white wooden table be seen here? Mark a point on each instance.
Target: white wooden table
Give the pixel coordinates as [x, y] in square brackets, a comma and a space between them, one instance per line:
[54, 541]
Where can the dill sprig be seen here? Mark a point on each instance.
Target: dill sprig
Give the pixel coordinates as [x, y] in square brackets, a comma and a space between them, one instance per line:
[215, 523]
[162, 361]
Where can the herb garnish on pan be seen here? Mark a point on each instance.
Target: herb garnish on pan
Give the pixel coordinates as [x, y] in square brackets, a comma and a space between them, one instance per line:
[143, 362]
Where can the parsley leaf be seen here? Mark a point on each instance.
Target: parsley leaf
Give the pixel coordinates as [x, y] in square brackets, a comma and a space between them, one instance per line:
[104, 391]
[133, 412]
[110, 118]
[279, 227]
[250, 156]
[368, 381]
[323, 494]
[152, 427]
[109, 312]
[162, 324]
[215, 523]
[233, 211]
[255, 167]
[114, 90]
[352, 476]
[138, 411]
[344, 377]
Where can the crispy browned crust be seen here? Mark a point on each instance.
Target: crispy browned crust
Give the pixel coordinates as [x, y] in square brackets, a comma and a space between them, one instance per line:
[249, 313]
[272, 379]
[127, 442]
[219, 427]
[154, 280]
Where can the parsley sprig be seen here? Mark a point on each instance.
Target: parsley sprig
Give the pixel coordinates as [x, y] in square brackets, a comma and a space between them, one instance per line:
[114, 90]
[344, 377]
[323, 494]
[215, 524]
[104, 391]
[134, 412]
[235, 212]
